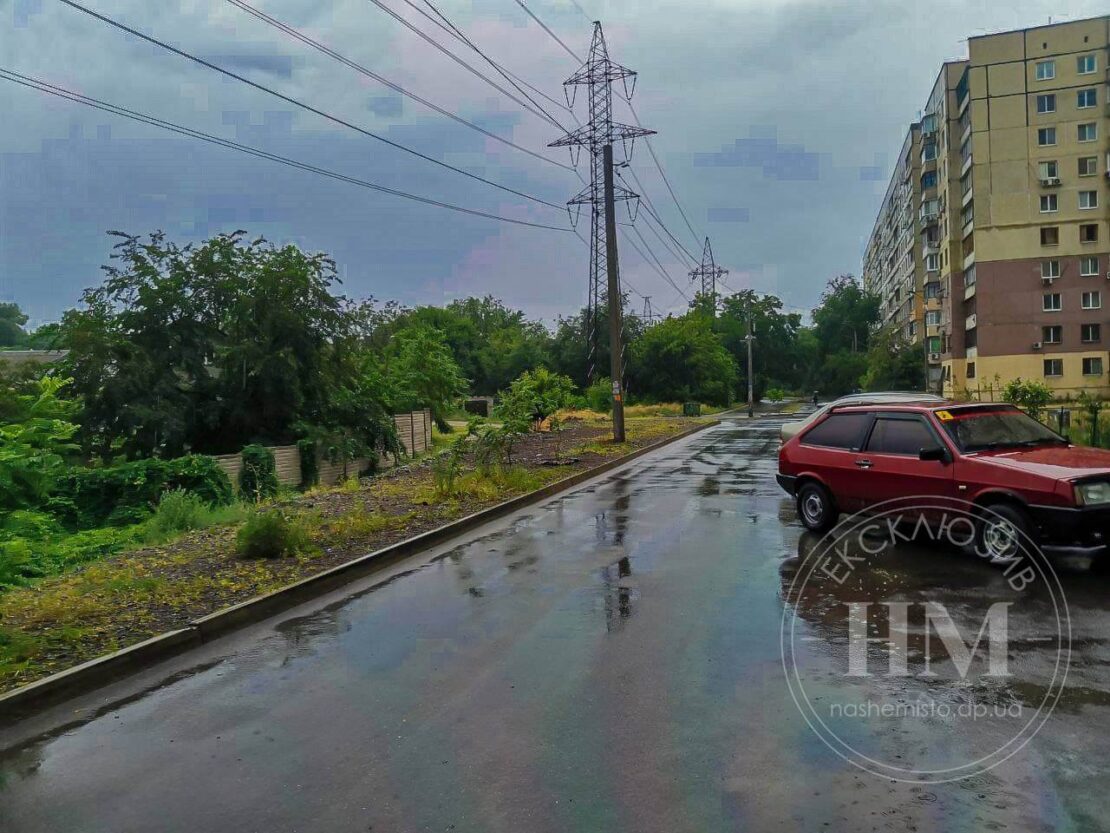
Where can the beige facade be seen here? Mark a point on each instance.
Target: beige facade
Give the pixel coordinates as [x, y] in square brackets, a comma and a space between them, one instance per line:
[1021, 214]
[893, 267]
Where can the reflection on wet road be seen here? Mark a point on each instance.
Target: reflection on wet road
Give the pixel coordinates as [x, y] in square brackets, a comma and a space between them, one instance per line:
[609, 660]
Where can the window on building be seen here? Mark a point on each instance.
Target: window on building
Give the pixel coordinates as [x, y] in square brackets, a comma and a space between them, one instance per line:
[1088, 165]
[1049, 169]
[932, 317]
[1088, 132]
[932, 290]
[929, 152]
[1046, 70]
[1050, 236]
[1053, 367]
[1085, 98]
[1088, 199]
[1085, 64]
[1088, 233]
[1088, 266]
[1050, 268]
[932, 263]
[1046, 103]
[1051, 302]
[1049, 203]
[1046, 136]
[1090, 333]
[971, 338]
[1053, 334]
[971, 370]
[1092, 365]
[1092, 299]
[969, 276]
[928, 179]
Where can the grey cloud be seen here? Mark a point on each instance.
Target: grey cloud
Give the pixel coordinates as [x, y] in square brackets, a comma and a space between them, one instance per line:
[784, 162]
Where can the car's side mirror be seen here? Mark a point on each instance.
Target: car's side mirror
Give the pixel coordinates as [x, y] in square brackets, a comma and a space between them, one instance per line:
[938, 453]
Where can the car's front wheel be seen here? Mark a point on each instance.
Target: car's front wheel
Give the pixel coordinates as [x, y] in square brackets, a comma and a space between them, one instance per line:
[1001, 533]
[816, 507]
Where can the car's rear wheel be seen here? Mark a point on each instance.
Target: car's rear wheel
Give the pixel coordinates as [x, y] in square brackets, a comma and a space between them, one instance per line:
[1001, 533]
[816, 507]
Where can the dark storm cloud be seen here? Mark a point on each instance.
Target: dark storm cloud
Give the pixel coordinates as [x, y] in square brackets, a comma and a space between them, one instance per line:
[834, 84]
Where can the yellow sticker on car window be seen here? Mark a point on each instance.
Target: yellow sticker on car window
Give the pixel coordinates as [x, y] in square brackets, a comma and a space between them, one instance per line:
[943, 416]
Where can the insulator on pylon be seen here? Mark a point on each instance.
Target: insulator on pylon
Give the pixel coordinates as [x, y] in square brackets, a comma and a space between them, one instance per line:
[629, 91]
[633, 207]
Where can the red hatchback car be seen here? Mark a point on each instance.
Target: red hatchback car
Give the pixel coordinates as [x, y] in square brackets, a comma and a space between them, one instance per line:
[1034, 481]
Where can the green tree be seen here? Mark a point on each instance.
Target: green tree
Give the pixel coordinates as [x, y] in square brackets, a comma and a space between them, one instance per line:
[35, 439]
[681, 359]
[207, 347]
[893, 363]
[426, 373]
[846, 316]
[777, 357]
[12, 320]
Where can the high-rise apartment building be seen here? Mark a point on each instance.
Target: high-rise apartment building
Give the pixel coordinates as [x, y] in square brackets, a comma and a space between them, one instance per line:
[1013, 229]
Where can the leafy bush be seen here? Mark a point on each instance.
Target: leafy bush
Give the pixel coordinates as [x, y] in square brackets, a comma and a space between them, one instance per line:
[445, 470]
[310, 463]
[599, 395]
[117, 495]
[258, 477]
[1031, 396]
[270, 535]
[178, 511]
[775, 394]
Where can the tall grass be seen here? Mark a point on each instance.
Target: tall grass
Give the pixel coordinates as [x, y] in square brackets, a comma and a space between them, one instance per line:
[180, 511]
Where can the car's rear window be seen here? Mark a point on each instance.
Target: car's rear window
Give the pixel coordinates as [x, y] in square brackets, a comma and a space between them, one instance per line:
[839, 431]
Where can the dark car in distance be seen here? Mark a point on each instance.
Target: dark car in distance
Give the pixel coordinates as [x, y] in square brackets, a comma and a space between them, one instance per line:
[995, 456]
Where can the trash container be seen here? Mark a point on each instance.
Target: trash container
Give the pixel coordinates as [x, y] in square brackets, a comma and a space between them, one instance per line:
[691, 409]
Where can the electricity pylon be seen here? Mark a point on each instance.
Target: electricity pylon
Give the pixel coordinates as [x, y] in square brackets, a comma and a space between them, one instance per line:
[709, 273]
[597, 137]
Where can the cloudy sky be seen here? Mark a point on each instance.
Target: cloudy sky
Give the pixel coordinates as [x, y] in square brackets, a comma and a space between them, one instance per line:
[778, 122]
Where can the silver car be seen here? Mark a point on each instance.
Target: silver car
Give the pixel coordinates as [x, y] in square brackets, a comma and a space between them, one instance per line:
[790, 429]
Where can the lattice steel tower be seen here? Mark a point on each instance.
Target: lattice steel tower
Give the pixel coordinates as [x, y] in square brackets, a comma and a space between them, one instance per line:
[709, 273]
[598, 75]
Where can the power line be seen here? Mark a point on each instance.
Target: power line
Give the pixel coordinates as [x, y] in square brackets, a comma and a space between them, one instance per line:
[308, 107]
[431, 41]
[305, 39]
[659, 266]
[663, 174]
[134, 115]
[635, 116]
[543, 26]
[443, 22]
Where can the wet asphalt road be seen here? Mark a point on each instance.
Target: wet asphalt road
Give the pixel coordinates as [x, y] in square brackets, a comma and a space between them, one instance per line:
[609, 661]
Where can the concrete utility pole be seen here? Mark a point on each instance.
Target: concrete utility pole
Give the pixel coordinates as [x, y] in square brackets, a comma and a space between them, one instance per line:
[616, 351]
[751, 378]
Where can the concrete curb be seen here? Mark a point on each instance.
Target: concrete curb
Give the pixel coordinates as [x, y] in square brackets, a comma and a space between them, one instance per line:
[98, 672]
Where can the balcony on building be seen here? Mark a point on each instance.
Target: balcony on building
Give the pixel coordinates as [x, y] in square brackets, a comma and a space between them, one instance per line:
[930, 212]
[971, 322]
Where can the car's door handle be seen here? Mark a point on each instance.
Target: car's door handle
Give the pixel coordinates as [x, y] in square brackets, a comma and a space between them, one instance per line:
[864, 464]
